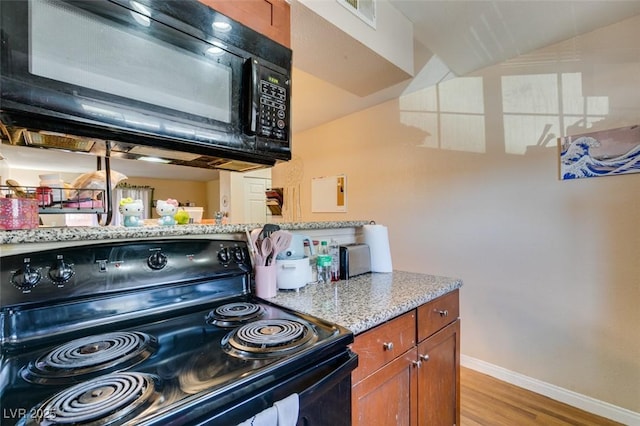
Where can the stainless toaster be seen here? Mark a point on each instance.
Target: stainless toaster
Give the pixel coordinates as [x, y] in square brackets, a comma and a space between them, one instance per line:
[355, 259]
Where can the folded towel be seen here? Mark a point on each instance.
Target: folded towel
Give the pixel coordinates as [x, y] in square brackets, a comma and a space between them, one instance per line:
[283, 413]
[268, 417]
[288, 409]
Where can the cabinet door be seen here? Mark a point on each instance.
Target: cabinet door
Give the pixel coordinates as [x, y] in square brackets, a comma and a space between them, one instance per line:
[389, 396]
[439, 378]
[268, 17]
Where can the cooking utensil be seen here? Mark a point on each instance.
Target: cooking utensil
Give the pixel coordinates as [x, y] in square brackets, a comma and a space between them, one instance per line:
[268, 229]
[280, 241]
[253, 242]
[266, 248]
[251, 246]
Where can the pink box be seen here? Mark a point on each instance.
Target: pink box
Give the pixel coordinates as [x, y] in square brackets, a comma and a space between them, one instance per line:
[83, 204]
[18, 213]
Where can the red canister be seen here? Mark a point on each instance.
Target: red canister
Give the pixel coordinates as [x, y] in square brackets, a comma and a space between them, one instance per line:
[44, 195]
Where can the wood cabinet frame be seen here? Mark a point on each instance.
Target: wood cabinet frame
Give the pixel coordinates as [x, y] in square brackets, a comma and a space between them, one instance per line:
[409, 373]
[271, 18]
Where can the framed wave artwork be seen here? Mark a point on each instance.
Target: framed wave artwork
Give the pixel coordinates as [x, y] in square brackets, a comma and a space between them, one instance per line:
[602, 153]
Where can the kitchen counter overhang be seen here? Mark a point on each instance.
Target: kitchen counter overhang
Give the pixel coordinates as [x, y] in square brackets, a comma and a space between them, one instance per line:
[89, 233]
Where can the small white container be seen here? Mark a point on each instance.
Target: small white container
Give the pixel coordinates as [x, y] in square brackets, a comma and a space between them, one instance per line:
[293, 274]
[54, 182]
[195, 214]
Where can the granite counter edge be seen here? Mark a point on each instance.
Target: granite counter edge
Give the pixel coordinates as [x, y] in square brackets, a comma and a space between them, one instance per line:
[381, 317]
[61, 234]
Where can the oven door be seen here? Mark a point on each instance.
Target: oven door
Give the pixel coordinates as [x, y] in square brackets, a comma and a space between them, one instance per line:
[324, 393]
[102, 66]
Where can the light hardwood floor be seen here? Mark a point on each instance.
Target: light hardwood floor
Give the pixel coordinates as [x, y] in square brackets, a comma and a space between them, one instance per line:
[487, 401]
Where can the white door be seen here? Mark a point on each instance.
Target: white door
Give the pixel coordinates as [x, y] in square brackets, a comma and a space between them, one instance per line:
[255, 200]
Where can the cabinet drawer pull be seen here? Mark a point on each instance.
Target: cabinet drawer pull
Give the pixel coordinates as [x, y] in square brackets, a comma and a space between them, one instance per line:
[424, 357]
[444, 313]
[417, 364]
[388, 346]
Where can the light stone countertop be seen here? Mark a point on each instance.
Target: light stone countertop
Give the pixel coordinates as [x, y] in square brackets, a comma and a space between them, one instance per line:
[365, 301]
[92, 233]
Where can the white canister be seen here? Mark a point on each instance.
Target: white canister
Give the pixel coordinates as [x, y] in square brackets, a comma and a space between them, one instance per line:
[54, 182]
[195, 213]
[293, 274]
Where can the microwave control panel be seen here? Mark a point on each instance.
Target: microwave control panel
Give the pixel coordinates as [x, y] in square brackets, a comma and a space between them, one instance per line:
[273, 105]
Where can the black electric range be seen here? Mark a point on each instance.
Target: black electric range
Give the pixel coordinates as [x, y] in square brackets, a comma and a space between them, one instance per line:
[159, 332]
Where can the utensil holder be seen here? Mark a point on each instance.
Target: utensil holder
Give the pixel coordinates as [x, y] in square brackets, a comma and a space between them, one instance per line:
[265, 279]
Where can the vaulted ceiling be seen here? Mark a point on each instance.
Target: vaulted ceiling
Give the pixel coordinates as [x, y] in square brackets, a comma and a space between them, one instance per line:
[451, 38]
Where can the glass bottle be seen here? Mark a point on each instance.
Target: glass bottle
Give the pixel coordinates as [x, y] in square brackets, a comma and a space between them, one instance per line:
[312, 261]
[334, 252]
[324, 268]
[323, 248]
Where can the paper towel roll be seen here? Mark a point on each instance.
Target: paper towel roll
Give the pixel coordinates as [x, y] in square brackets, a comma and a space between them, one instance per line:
[377, 238]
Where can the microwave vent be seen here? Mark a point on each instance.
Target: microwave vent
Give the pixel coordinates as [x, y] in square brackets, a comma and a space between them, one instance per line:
[57, 141]
[234, 165]
[148, 151]
[24, 137]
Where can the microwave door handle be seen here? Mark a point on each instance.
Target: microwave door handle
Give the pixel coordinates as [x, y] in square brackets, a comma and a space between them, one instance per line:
[252, 95]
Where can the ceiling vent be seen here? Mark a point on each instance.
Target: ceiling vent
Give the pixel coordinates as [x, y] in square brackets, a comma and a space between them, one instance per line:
[363, 9]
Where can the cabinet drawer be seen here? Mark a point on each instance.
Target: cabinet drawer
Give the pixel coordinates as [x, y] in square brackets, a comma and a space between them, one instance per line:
[383, 343]
[434, 315]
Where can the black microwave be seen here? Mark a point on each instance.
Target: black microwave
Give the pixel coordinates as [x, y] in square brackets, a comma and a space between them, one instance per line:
[146, 78]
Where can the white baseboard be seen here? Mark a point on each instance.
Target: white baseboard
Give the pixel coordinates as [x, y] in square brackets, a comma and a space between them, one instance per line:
[583, 402]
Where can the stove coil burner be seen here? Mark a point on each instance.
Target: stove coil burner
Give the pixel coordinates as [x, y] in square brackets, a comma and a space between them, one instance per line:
[234, 314]
[270, 337]
[89, 356]
[110, 399]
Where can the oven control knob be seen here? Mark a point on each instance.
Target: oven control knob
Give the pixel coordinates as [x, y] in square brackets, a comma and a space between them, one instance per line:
[61, 272]
[26, 278]
[157, 260]
[238, 255]
[224, 256]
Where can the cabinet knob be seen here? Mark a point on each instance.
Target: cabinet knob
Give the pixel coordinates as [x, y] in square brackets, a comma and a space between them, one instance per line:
[424, 357]
[444, 313]
[388, 346]
[417, 364]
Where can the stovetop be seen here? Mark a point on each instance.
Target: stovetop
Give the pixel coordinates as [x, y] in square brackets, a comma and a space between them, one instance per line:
[145, 334]
[170, 365]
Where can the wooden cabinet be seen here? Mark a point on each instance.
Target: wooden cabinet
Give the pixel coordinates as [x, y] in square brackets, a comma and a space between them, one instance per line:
[269, 17]
[409, 368]
[389, 396]
[439, 378]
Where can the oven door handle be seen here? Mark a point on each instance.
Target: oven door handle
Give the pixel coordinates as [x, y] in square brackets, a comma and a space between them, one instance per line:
[316, 389]
[311, 385]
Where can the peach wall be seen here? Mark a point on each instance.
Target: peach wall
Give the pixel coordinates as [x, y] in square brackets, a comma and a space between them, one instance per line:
[465, 175]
